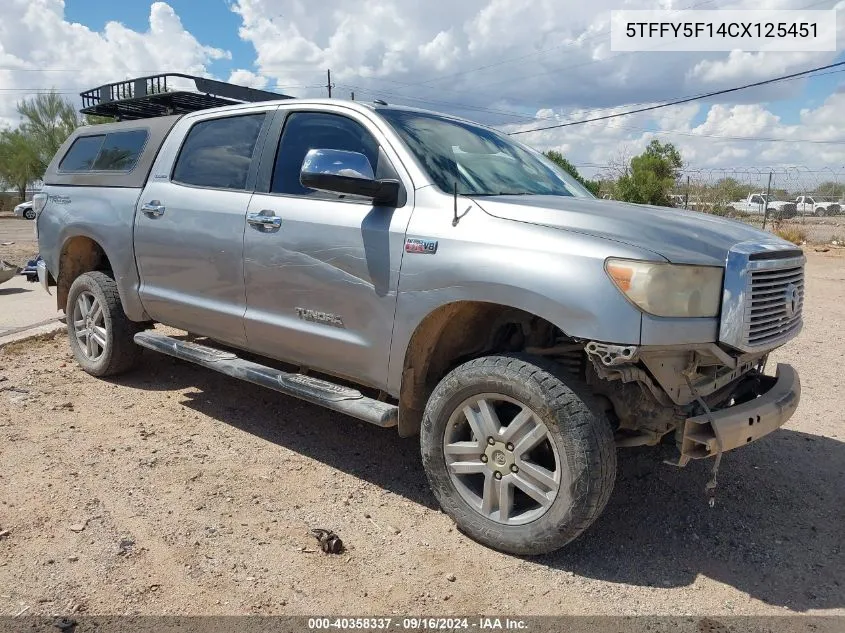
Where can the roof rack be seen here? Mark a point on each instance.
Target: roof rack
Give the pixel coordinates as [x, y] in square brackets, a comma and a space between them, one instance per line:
[151, 96]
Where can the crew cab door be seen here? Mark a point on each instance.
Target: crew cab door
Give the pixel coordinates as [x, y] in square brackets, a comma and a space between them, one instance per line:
[322, 269]
[189, 225]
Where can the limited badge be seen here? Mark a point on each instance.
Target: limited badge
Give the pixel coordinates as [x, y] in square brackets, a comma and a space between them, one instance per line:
[415, 245]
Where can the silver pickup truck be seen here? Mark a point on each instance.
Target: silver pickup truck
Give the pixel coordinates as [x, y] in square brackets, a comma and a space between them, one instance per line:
[423, 272]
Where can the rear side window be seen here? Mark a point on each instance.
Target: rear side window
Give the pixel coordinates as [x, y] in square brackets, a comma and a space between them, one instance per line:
[120, 151]
[116, 151]
[82, 154]
[218, 153]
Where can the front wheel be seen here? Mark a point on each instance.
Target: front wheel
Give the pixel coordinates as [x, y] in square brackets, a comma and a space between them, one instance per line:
[29, 214]
[100, 334]
[518, 455]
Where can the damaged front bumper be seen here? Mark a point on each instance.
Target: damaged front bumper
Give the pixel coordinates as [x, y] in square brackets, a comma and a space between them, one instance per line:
[707, 435]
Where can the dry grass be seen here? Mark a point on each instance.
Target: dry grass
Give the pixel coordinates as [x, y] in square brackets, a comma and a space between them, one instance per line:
[793, 234]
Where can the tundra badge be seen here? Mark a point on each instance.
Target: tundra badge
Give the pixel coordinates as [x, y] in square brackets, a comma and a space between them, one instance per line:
[319, 317]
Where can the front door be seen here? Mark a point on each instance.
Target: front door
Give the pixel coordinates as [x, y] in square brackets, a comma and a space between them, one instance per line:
[321, 269]
[189, 227]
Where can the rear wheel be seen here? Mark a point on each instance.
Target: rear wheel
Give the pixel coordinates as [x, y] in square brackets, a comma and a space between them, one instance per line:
[518, 455]
[100, 335]
[29, 214]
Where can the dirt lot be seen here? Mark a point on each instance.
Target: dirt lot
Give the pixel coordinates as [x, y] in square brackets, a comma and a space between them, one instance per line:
[17, 240]
[177, 490]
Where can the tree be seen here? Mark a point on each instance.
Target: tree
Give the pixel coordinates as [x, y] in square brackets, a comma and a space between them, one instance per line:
[20, 164]
[47, 120]
[830, 189]
[727, 190]
[556, 157]
[652, 175]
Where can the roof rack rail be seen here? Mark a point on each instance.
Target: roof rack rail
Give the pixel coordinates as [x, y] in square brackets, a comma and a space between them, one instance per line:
[152, 96]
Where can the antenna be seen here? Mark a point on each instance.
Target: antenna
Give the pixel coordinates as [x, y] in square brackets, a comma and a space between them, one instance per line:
[457, 218]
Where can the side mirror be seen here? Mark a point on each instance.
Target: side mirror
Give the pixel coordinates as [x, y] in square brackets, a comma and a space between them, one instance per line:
[341, 171]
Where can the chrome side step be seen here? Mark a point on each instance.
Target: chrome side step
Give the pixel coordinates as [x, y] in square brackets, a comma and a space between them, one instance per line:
[321, 392]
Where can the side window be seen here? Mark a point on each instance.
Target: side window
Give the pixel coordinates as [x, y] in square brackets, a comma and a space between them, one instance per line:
[218, 152]
[757, 199]
[120, 151]
[305, 131]
[82, 154]
[115, 151]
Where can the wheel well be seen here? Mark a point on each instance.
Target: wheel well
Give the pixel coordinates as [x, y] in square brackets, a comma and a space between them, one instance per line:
[456, 333]
[79, 255]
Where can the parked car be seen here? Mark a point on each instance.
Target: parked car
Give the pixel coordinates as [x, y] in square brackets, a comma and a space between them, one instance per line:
[472, 292]
[755, 204]
[811, 205]
[25, 210]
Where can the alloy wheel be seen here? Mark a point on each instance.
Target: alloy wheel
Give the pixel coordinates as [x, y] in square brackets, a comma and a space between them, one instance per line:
[89, 326]
[502, 460]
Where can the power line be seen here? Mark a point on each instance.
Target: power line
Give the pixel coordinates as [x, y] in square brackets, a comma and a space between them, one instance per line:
[705, 95]
[510, 113]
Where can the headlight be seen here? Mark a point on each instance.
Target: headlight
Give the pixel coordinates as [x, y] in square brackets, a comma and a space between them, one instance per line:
[668, 290]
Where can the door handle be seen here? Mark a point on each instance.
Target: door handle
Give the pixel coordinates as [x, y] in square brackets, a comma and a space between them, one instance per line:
[153, 208]
[266, 220]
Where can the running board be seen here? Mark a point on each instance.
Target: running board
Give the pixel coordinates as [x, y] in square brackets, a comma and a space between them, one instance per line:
[321, 392]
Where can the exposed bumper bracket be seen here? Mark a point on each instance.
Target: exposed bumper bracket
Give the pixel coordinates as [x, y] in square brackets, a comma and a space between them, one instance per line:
[742, 424]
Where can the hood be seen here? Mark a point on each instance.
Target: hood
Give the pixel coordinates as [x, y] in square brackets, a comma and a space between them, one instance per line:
[682, 237]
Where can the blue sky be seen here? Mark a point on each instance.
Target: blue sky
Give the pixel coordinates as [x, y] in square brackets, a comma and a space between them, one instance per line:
[211, 21]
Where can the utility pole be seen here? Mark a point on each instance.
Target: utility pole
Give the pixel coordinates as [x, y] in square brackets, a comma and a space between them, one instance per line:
[766, 201]
[329, 83]
[686, 195]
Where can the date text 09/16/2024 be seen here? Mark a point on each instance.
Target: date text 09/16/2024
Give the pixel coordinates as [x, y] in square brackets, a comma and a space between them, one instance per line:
[419, 624]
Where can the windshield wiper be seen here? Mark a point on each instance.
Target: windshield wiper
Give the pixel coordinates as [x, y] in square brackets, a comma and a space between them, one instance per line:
[502, 193]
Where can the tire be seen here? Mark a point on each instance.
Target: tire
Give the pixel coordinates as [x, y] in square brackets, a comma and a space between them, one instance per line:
[535, 396]
[94, 314]
[819, 212]
[29, 214]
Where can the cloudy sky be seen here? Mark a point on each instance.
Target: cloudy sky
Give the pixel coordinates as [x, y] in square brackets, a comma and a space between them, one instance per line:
[514, 64]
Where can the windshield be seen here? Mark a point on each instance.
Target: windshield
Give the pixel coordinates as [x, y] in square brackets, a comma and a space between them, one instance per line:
[480, 161]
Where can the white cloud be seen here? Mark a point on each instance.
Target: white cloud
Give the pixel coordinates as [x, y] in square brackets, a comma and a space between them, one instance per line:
[500, 61]
[598, 144]
[248, 78]
[36, 41]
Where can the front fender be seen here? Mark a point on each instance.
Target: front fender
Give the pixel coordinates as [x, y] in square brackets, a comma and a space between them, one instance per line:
[554, 274]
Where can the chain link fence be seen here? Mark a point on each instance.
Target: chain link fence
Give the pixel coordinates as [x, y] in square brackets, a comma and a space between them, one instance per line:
[800, 203]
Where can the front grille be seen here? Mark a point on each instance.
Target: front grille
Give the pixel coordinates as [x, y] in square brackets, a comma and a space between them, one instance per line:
[763, 297]
[776, 300]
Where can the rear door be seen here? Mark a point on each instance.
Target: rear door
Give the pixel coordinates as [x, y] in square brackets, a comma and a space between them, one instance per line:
[189, 226]
[322, 274]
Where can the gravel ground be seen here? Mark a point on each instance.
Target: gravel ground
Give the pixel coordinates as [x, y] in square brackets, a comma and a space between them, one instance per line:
[17, 240]
[175, 490]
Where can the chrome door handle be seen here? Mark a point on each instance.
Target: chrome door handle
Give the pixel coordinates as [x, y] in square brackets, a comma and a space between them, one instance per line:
[153, 208]
[266, 220]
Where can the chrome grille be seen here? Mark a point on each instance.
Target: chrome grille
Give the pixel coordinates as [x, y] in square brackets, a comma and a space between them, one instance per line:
[773, 313]
[763, 296]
